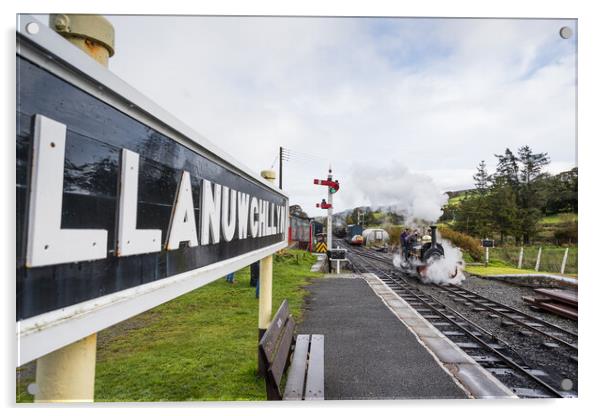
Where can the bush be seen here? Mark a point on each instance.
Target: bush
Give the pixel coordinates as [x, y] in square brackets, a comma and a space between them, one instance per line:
[467, 243]
[394, 233]
[566, 233]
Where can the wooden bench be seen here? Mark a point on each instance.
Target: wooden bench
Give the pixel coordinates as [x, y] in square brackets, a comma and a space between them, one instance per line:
[305, 380]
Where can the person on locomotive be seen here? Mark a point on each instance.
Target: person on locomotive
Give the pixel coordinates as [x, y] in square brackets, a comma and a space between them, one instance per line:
[403, 240]
[413, 245]
[413, 239]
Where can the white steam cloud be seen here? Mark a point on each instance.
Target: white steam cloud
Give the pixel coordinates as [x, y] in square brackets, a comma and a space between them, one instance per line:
[413, 195]
[447, 270]
[418, 199]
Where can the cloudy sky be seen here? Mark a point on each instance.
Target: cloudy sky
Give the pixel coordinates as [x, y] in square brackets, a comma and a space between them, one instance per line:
[367, 95]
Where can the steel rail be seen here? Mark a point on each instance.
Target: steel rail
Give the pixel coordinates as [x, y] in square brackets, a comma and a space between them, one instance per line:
[500, 305]
[511, 318]
[517, 311]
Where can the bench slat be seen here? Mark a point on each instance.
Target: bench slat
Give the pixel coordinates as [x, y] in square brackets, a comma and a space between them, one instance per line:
[296, 371]
[270, 338]
[314, 389]
[282, 353]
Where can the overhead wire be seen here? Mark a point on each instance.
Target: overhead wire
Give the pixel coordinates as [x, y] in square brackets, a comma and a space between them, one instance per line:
[289, 157]
[274, 162]
[306, 161]
[307, 164]
[304, 154]
[301, 157]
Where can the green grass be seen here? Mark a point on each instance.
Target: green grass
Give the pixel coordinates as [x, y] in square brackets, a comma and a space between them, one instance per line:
[378, 215]
[200, 346]
[560, 218]
[492, 270]
[456, 199]
[497, 266]
[551, 258]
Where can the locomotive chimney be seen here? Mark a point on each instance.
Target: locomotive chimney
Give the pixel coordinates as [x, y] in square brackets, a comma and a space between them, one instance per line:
[433, 235]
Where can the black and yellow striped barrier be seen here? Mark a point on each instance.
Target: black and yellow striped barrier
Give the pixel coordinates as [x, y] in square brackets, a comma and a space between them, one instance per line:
[320, 247]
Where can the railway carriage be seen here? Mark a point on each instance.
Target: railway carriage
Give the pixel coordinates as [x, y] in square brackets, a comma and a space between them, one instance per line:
[303, 231]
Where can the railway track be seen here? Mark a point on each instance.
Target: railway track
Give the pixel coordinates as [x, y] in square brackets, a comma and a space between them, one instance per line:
[487, 349]
[475, 301]
[532, 323]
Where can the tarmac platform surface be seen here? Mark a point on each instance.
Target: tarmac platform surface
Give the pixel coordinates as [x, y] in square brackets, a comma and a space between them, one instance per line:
[369, 353]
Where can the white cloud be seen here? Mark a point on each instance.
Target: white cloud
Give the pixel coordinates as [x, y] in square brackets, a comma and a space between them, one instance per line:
[435, 95]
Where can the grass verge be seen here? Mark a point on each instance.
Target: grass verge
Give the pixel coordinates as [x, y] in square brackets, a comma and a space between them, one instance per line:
[493, 270]
[550, 262]
[200, 346]
[559, 218]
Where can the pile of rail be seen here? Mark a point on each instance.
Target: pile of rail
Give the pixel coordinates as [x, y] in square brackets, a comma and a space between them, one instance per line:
[560, 302]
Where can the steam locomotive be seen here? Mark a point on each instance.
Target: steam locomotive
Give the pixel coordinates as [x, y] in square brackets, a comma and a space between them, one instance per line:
[420, 256]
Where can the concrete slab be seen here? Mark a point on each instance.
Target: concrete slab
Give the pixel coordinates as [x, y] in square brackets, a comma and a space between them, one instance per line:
[342, 276]
[319, 264]
[482, 383]
[447, 352]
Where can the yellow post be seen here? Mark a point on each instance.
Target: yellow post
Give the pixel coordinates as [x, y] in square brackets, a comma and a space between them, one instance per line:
[93, 34]
[67, 374]
[265, 293]
[265, 278]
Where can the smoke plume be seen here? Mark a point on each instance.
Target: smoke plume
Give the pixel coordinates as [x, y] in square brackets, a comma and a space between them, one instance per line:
[413, 195]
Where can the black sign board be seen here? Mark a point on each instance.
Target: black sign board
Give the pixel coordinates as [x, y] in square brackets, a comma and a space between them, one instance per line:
[487, 243]
[120, 207]
[337, 254]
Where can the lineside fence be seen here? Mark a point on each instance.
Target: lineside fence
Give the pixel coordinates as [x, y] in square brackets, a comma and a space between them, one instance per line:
[551, 258]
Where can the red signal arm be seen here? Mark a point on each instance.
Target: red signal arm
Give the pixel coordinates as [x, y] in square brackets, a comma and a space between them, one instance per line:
[324, 205]
[326, 182]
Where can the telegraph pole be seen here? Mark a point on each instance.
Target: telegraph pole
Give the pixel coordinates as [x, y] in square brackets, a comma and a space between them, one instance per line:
[280, 167]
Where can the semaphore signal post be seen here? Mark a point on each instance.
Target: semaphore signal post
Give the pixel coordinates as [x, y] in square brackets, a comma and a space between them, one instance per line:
[333, 187]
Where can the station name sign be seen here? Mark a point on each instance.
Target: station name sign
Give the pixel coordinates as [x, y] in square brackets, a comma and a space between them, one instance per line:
[223, 212]
[120, 206]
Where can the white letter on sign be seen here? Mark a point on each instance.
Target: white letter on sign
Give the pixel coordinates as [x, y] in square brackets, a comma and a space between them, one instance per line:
[182, 226]
[263, 216]
[254, 210]
[228, 205]
[47, 243]
[243, 215]
[210, 212]
[130, 240]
